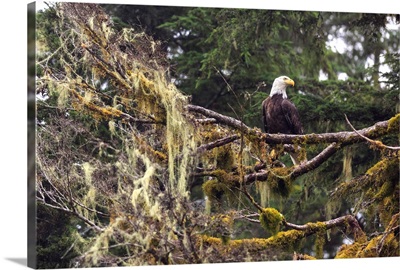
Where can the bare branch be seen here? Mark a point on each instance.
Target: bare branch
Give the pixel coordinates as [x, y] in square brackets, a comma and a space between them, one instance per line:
[67, 210]
[317, 160]
[378, 144]
[206, 121]
[222, 119]
[217, 143]
[245, 192]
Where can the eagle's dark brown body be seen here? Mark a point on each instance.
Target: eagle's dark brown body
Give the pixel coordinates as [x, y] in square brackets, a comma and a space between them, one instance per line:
[280, 115]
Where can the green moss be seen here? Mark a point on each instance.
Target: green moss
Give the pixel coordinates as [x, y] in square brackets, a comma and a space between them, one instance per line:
[382, 245]
[308, 257]
[287, 240]
[225, 158]
[390, 247]
[221, 226]
[385, 190]
[222, 175]
[386, 164]
[280, 181]
[376, 247]
[271, 220]
[316, 226]
[228, 179]
[349, 251]
[213, 189]
[386, 170]
[394, 123]
[388, 207]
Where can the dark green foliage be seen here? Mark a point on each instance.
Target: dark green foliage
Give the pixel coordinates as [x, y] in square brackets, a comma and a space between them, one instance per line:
[232, 50]
[55, 230]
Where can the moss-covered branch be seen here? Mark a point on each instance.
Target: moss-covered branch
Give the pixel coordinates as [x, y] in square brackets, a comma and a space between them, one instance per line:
[165, 176]
[381, 245]
[337, 140]
[298, 170]
[347, 137]
[285, 239]
[348, 220]
[377, 144]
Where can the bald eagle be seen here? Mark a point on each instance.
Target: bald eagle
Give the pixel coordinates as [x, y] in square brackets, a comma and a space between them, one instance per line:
[280, 115]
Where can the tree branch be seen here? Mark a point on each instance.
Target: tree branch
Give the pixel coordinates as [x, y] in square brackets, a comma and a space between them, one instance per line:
[317, 160]
[329, 224]
[378, 144]
[281, 239]
[67, 210]
[345, 137]
[298, 170]
[222, 119]
[217, 143]
[310, 228]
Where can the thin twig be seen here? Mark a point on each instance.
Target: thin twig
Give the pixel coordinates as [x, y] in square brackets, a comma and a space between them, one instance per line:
[378, 144]
[217, 143]
[245, 192]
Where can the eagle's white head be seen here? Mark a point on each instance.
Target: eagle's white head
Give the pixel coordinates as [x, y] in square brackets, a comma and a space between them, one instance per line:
[279, 86]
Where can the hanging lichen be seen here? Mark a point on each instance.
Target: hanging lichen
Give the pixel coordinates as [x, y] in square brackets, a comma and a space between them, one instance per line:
[130, 150]
[347, 171]
[319, 244]
[280, 181]
[263, 191]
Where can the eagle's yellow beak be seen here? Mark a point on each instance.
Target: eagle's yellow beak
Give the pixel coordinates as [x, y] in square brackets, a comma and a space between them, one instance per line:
[289, 82]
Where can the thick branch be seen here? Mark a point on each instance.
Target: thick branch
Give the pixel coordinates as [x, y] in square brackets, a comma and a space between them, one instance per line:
[329, 224]
[345, 137]
[285, 238]
[311, 228]
[298, 170]
[337, 140]
[317, 160]
[378, 144]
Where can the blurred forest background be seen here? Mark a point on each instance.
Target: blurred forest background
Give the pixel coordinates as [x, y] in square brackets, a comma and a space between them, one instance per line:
[224, 60]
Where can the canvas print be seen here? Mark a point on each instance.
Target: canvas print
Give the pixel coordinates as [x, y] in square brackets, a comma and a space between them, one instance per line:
[167, 135]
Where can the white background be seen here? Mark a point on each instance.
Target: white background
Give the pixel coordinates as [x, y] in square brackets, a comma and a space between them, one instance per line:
[13, 204]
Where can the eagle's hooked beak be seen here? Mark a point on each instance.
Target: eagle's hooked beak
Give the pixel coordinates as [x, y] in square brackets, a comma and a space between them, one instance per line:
[289, 82]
